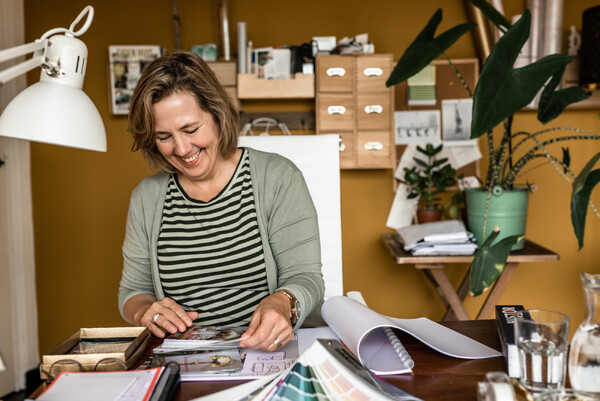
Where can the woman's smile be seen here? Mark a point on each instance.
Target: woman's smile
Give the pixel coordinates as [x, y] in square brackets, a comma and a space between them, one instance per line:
[186, 136]
[190, 161]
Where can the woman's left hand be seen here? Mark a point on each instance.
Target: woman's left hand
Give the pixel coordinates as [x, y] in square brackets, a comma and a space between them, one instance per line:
[270, 327]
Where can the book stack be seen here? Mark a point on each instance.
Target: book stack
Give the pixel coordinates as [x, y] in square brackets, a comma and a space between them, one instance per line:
[447, 237]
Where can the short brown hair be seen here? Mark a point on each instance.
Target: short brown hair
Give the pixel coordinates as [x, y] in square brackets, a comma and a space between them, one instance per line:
[180, 72]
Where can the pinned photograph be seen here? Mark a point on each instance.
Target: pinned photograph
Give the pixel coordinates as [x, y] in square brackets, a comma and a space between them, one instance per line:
[417, 127]
[456, 122]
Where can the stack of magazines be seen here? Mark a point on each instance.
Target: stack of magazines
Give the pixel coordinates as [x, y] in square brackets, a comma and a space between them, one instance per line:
[448, 237]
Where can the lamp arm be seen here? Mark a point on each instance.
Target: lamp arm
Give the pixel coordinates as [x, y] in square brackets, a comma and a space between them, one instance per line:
[40, 44]
[27, 65]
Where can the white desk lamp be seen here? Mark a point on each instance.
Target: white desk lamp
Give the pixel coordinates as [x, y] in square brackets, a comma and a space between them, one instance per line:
[55, 110]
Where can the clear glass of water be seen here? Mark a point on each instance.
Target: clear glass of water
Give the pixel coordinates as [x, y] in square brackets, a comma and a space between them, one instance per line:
[542, 339]
[563, 395]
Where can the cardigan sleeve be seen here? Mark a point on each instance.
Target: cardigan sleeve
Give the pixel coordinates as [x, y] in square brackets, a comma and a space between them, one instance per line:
[294, 237]
[137, 274]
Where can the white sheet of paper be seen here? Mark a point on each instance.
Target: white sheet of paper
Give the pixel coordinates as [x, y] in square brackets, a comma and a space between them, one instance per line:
[417, 127]
[406, 160]
[353, 332]
[317, 156]
[306, 337]
[460, 156]
[402, 210]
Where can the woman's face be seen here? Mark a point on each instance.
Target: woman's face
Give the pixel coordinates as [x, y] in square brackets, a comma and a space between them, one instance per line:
[186, 136]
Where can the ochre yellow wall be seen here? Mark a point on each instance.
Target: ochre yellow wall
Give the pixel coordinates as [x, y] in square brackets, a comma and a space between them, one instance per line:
[81, 197]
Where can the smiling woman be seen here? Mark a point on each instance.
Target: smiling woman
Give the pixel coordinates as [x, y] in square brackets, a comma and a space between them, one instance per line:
[221, 235]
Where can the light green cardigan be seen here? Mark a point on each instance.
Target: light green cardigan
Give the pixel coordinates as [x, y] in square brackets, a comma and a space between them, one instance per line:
[287, 222]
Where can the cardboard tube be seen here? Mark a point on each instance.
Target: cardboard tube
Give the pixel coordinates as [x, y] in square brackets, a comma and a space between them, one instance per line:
[482, 34]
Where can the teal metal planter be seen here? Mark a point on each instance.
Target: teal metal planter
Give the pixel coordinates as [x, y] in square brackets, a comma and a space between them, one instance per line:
[507, 210]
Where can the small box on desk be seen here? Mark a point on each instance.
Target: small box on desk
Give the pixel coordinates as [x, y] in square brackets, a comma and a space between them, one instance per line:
[117, 348]
[505, 318]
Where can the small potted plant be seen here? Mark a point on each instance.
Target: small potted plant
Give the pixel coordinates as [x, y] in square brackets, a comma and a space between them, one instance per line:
[503, 90]
[427, 180]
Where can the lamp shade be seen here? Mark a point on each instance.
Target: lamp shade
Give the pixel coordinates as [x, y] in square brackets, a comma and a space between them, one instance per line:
[56, 114]
[56, 110]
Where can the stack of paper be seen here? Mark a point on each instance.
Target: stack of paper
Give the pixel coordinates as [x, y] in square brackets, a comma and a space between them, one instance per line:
[447, 237]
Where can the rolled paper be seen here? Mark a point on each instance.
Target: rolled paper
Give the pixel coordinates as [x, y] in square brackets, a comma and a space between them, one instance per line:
[536, 36]
[242, 48]
[483, 34]
[553, 23]
[225, 29]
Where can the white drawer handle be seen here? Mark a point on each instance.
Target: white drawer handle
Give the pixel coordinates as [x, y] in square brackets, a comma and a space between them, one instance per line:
[373, 72]
[336, 72]
[342, 146]
[336, 109]
[373, 146]
[373, 108]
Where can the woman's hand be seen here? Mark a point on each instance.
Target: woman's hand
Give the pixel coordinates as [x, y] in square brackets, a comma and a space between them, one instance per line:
[169, 315]
[270, 327]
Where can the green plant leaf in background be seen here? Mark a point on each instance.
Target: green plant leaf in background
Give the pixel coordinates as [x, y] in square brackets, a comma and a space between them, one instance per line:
[425, 48]
[553, 102]
[502, 90]
[580, 197]
[489, 261]
[492, 14]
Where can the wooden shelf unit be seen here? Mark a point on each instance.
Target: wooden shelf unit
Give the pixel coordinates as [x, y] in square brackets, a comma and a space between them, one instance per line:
[301, 86]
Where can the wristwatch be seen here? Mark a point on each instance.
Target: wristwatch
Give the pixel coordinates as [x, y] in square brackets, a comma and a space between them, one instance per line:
[294, 306]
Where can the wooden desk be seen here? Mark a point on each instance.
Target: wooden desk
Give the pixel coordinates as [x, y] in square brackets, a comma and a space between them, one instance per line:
[433, 267]
[435, 377]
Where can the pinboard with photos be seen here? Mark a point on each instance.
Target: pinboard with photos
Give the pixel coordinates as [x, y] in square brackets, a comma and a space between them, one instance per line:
[435, 107]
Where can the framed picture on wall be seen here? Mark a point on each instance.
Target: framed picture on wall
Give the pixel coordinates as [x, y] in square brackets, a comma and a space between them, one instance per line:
[417, 127]
[126, 64]
[456, 122]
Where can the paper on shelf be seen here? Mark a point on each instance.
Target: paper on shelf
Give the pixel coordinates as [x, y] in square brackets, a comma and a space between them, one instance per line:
[446, 249]
[439, 231]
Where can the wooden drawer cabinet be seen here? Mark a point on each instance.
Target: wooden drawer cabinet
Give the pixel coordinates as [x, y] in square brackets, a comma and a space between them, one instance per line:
[373, 148]
[373, 111]
[353, 102]
[336, 112]
[335, 74]
[372, 72]
[347, 150]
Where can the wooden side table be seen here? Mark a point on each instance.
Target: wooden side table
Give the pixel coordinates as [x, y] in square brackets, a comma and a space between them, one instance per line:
[433, 267]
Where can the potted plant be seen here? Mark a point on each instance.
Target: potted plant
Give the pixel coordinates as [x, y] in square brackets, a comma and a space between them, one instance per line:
[501, 91]
[427, 180]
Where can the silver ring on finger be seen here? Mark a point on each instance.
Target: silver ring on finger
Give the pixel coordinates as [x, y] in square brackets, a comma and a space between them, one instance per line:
[155, 318]
[277, 343]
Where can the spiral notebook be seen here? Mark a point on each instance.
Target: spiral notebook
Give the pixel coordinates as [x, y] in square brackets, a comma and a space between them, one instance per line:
[370, 336]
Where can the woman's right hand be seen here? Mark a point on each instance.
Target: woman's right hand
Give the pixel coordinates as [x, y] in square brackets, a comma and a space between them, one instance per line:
[169, 315]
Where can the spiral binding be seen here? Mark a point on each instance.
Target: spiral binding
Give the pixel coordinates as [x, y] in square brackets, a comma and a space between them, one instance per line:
[399, 348]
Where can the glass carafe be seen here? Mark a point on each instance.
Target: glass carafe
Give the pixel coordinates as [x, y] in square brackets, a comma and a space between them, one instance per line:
[584, 357]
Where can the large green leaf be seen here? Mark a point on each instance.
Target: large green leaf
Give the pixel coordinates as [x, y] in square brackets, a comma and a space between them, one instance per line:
[583, 185]
[491, 13]
[553, 102]
[425, 48]
[503, 90]
[489, 261]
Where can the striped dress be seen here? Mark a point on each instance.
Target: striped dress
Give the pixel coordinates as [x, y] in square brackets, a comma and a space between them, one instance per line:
[210, 254]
